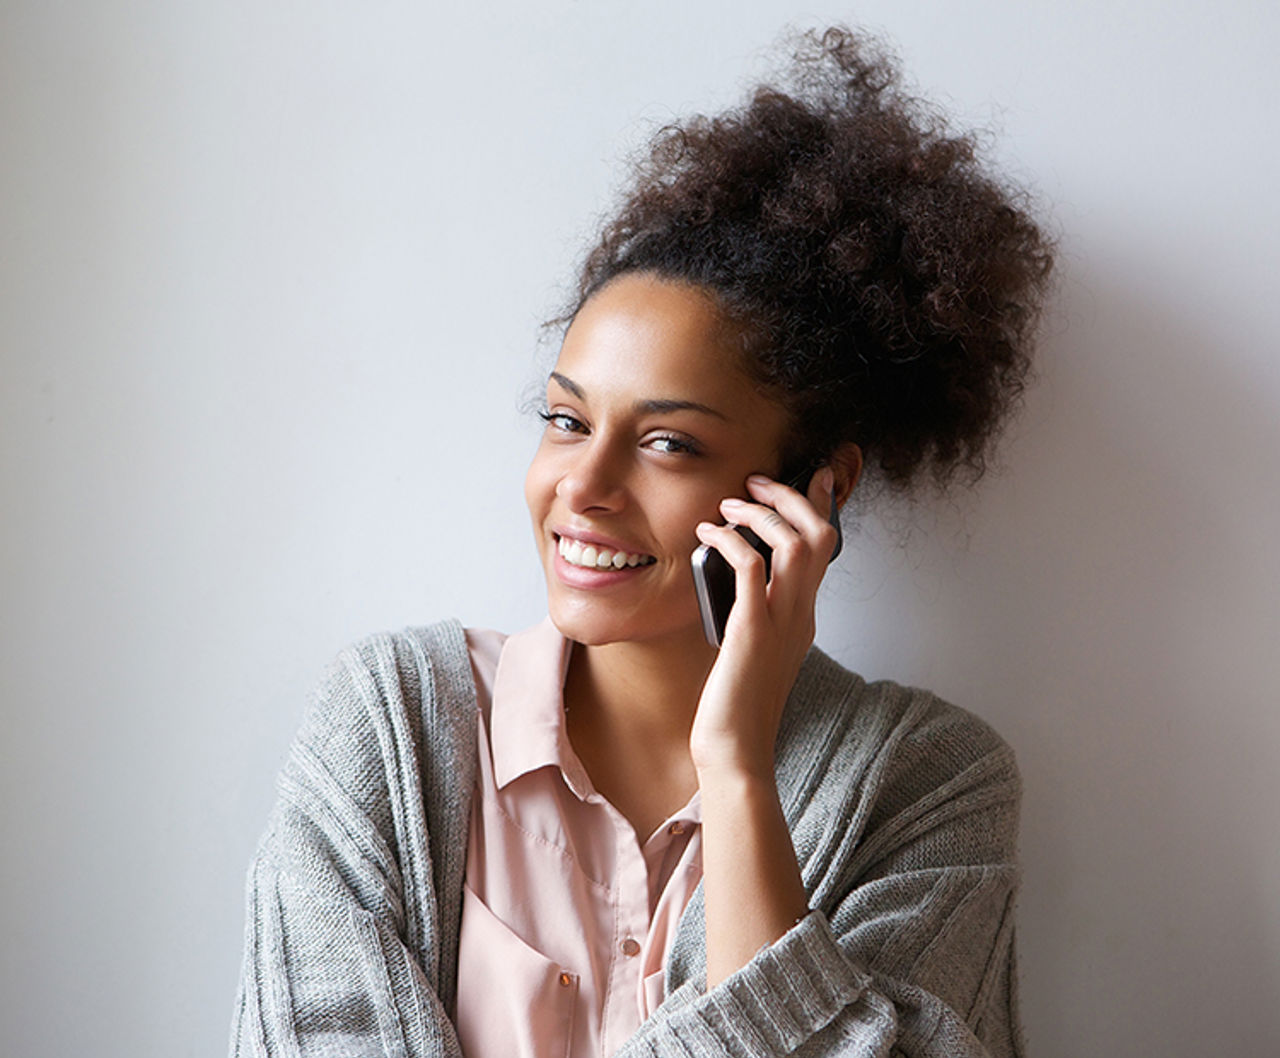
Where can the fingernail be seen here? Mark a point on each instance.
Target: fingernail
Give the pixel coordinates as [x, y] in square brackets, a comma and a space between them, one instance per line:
[758, 479]
[828, 479]
[732, 501]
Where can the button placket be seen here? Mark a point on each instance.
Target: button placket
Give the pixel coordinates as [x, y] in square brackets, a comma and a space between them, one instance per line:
[631, 922]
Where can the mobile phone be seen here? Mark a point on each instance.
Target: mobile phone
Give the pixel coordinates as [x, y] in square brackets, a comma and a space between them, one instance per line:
[713, 576]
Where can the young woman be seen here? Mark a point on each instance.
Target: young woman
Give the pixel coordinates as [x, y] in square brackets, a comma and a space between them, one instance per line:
[605, 835]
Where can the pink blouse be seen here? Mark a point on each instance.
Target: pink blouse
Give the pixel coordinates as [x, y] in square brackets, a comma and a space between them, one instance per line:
[567, 915]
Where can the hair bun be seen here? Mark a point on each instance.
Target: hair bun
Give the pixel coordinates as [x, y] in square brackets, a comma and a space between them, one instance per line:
[888, 285]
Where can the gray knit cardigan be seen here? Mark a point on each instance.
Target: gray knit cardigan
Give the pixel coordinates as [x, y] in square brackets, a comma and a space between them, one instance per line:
[902, 810]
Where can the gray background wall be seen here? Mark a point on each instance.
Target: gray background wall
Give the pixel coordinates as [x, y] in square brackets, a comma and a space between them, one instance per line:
[270, 280]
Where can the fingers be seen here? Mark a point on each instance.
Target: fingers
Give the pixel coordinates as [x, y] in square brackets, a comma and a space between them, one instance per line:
[795, 526]
[749, 575]
[792, 526]
[808, 517]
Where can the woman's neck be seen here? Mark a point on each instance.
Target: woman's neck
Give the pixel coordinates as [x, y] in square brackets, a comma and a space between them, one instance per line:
[630, 710]
[648, 690]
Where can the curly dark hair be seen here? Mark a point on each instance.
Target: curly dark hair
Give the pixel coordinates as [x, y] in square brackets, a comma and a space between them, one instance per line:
[886, 287]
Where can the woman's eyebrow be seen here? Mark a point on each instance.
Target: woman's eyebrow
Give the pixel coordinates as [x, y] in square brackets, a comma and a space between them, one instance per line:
[660, 406]
[654, 406]
[569, 384]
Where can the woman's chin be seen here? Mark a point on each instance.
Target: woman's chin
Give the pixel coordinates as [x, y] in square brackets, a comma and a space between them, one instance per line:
[578, 624]
[595, 624]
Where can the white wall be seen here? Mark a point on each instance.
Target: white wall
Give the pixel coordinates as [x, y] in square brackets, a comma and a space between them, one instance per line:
[270, 279]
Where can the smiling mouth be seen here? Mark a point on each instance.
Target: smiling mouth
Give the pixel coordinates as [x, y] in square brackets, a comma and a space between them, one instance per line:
[592, 556]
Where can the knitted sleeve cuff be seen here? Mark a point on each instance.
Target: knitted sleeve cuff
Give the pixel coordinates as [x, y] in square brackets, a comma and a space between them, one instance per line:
[786, 993]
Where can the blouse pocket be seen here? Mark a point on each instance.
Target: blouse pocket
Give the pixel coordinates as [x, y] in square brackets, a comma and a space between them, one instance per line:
[513, 1002]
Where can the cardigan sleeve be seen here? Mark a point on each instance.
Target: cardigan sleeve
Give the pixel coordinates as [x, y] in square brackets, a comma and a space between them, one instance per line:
[912, 877]
[342, 952]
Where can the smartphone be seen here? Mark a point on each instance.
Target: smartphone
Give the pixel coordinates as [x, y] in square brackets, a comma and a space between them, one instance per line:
[713, 576]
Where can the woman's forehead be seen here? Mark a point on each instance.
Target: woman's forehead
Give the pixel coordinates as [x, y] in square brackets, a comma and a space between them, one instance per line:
[664, 337]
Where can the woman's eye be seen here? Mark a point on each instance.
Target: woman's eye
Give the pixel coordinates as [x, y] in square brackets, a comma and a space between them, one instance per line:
[562, 421]
[674, 445]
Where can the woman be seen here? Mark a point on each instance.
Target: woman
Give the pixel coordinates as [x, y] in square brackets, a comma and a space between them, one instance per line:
[604, 834]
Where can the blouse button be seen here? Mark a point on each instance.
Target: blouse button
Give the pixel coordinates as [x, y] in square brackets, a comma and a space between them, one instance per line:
[565, 980]
[676, 828]
[630, 947]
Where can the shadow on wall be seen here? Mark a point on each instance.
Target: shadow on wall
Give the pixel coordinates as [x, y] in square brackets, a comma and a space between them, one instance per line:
[1114, 613]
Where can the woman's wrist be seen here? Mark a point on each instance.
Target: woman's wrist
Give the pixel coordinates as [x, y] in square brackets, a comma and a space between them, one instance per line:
[733, 752]
[738, 778]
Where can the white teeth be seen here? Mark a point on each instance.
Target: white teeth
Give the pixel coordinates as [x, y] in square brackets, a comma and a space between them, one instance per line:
[578, 554]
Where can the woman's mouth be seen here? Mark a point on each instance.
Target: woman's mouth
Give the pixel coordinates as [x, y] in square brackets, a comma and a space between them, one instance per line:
[595, 556]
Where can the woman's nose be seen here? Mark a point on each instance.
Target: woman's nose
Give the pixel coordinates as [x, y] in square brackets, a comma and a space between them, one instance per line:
[593, 481]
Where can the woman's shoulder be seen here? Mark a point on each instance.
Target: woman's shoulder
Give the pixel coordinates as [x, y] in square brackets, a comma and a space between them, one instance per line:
[384, 756]
[392, 686]
[441, 641]
[387, 663]
[882, 766]
[837, 716]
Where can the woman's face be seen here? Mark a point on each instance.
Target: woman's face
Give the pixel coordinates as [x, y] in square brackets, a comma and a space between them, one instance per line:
[651, 422]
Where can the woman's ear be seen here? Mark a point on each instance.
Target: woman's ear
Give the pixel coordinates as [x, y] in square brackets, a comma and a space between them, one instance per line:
[846, 464]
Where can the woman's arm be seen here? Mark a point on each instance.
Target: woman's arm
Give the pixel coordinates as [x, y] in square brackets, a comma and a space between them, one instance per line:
[903, 813]
[351, 936]
[939, 878]
[752, 882]
[749, 874]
